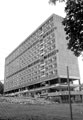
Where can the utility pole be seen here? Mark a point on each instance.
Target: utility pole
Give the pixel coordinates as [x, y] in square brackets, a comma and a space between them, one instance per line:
[70, 105]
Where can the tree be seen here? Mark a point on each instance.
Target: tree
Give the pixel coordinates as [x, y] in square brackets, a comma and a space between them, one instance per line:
[73, 24]
[1, 88]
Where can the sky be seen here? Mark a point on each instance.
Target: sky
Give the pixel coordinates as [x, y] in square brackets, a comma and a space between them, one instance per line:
[18, 19]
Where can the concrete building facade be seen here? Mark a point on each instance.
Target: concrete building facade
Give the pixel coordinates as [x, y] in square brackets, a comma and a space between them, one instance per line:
[41, 61]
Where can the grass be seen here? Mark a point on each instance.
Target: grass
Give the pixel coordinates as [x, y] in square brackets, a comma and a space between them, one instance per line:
[14, 111]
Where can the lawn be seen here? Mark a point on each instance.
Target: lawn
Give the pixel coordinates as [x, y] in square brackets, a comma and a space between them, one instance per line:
[14, 111]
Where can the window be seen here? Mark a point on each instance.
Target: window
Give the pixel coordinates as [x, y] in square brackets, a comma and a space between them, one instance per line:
[41, 51]
[53, 40]
[41, 45]
[46, 62]
[45, 51]
[21, 78]
[48, 38]
[46, 74]
[42, 61]
[35, 72]
[36, 78]
[42, 67]
[42, 73]
[49, 43]
[41, 41]
[50, 60]
[54, 58]
[48, 27]
[51, 72]
[29, 80]
[55, 72]
[53, 46]
[50, 66]
[51, 19]
[51, 24]
[52, 35]
[46, 68]
[55, 65]
[49, 48]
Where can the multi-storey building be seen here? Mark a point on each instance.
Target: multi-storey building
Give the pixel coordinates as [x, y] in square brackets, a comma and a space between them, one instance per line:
[41, 61]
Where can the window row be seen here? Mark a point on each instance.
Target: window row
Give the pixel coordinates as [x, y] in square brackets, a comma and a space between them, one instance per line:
[48, 67]
[48, 73]
[12, 57]
[12, 68]
[47, 50]
[17, 65]
[23, 79]
[29, 41]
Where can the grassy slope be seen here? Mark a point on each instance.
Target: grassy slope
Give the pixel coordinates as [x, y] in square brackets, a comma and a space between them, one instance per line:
[39, 112]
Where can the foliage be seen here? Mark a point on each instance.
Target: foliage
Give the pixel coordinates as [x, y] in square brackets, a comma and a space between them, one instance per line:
[73, 23]
[1, 88]
[54, 1]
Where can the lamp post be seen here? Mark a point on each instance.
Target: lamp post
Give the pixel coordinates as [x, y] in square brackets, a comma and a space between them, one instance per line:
[70, 105]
